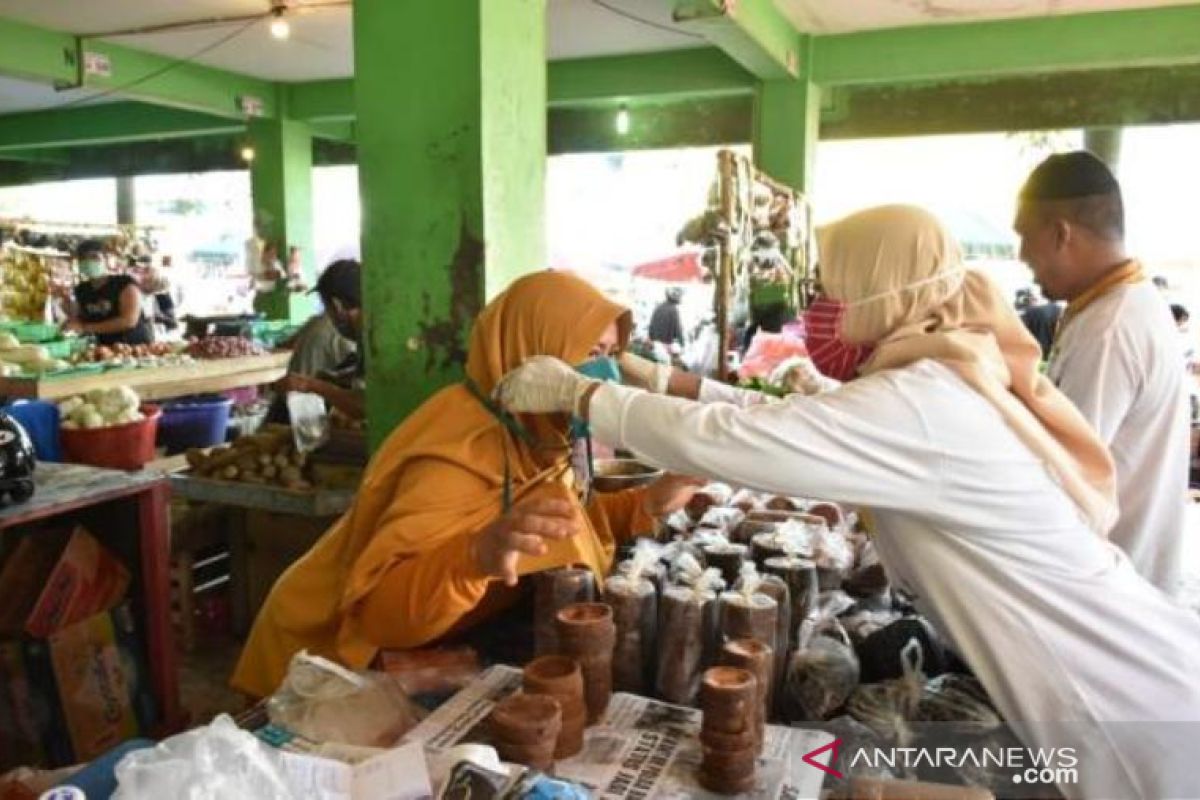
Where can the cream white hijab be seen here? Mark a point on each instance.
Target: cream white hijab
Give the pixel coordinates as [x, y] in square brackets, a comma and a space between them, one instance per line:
[906, 290]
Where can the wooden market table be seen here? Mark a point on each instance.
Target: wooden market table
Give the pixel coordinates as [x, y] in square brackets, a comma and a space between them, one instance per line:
[157, 383]
[128, 513]
[270, 528]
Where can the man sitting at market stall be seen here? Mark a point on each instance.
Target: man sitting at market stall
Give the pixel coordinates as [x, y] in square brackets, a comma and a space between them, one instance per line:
[461, 501]
[340, 289]
[990, 496]
[107, 306]
[1116, 352]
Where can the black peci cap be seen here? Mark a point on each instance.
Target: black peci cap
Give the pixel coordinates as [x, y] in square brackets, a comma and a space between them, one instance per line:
[1064, 176]
[342, 280]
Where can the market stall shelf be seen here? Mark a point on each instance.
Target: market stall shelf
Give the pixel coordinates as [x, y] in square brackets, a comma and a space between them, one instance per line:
[128, 512]
[156, 383]
[276, 499]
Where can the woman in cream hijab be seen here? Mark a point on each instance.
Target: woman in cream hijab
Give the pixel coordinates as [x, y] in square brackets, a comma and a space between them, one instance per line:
[990, 496]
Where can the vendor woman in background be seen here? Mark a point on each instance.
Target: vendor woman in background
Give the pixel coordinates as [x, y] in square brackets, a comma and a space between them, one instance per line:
[107, 306]
[991, 497]
[460, 502]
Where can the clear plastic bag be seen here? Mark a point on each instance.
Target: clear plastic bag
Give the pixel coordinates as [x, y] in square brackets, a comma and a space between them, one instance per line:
[634, 601]
[325, 702]
[215, 762]
[310, 420]
[687, 625]
[714, 494]
[820, 676]
[554, 590]
[889, 706]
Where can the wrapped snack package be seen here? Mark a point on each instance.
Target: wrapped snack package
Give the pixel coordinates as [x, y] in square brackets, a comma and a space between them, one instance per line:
[687, 625]
[634, 602]
[326, 702]
[677, 524]
[728, 558]
[647, 561]
[800, 575]
[834, 557]
[832, 513]
[887, 707]
[788, 538]
[688, 570]
[715, 494]
[746, 500]
[722, 519]
[821, 675]
[747, 613]
[554, 590]
[775, 588]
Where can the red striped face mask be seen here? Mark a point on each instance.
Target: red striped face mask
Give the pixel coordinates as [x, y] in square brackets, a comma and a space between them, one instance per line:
[833, 356]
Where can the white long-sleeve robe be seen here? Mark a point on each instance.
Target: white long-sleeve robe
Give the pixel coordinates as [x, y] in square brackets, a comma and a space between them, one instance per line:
[1074, 647]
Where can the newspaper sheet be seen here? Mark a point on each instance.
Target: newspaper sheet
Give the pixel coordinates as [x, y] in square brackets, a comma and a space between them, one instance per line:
[642, 748]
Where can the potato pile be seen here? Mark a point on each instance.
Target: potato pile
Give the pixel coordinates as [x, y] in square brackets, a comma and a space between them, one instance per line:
[266, 458]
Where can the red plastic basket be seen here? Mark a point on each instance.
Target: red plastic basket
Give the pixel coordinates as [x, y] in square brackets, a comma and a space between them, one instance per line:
[128, 446]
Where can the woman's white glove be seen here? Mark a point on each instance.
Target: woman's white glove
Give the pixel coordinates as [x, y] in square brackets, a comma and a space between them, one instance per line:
[642, 373]
[542, 385]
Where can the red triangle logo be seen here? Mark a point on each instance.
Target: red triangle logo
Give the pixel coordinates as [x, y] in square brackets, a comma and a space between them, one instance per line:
[834, 746]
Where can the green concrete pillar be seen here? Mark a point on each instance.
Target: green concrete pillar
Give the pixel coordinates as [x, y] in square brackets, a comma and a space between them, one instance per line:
[787, 117]
[126, 201]
[281, 191]
[451, 102]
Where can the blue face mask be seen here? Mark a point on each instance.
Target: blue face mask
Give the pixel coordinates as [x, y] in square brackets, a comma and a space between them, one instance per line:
[601, 368]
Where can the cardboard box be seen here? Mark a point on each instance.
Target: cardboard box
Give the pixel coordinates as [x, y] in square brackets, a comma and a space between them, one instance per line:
[103, 685]
[24, 576]
[77, 694]
[86, 580]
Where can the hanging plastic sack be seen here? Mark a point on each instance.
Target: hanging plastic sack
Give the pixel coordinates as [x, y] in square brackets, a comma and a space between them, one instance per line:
[310, 420]
[882, 652]
[821, 675]
[958, 699]
[215, 762]
[634, 602]
[687, 625]
[326, 702]
[888, 707]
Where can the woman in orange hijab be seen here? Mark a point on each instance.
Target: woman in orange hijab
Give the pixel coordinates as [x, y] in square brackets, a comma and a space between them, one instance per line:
[458, 504]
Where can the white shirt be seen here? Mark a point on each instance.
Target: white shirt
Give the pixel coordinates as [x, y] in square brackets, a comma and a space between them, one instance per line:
[1052, 618]
[1118, 361]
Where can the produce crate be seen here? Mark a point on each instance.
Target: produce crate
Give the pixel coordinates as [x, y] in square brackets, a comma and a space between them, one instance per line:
[34, 332]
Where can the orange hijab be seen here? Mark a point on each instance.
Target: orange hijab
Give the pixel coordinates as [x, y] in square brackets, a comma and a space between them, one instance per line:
[546, 313]
[906, 289]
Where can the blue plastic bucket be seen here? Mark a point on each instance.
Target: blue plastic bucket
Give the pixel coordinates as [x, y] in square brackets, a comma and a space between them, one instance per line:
[193, 422]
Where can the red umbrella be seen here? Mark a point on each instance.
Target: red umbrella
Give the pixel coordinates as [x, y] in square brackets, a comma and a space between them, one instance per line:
[679, 268]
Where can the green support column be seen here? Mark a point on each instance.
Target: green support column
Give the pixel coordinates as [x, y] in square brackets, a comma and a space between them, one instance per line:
[451, 105]
[126, 201]
[787, 117]
[281, 191]
[787, 124]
